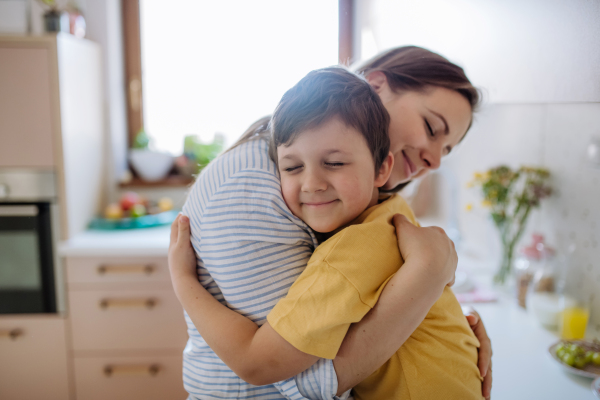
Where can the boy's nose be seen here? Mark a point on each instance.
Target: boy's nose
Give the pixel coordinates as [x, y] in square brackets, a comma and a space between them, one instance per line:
[313, 183]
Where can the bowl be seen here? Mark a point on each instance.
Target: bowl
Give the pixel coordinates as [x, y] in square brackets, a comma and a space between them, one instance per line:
[150, 165]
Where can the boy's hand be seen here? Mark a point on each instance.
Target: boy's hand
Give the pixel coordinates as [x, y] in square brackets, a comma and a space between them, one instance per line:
[431, 245]
[182, 259]
[485, 350]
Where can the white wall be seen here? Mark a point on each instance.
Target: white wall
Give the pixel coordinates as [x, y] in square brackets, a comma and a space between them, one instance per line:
[538, 62]
[524, 51]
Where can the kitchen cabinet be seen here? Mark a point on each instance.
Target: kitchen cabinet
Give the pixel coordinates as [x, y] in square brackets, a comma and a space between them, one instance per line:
[51, 119]
[126, 326]
[34, 363]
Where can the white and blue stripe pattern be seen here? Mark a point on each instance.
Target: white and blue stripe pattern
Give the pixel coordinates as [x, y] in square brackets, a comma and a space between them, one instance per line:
[250, 249]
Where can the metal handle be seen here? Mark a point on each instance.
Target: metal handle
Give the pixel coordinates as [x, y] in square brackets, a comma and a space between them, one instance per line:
[114, 370]
[18, 211]
[127, 303]
[11, 334]
[106, 269]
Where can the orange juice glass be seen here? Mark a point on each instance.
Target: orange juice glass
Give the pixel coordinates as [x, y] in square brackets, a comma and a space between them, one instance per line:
[573, 322]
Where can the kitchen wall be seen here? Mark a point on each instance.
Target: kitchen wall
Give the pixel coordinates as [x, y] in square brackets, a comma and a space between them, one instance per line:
[538, 63]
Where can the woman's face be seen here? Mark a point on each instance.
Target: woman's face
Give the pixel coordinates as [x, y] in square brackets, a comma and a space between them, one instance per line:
[424, 127]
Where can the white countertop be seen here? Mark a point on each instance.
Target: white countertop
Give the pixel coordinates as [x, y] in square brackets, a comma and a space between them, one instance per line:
[126, 242]
[522, 367]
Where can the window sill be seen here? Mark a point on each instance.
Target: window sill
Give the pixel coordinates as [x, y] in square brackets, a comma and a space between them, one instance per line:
[169, 181]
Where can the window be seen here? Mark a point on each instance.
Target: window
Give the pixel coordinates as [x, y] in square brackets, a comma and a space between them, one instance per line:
[202, 67]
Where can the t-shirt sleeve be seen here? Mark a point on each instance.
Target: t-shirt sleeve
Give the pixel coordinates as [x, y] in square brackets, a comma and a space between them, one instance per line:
[341, 283]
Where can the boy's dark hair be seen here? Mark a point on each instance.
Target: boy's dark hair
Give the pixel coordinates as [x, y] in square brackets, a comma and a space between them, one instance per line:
[327, 93]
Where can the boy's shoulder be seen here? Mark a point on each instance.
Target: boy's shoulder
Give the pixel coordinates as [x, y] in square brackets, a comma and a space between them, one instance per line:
[386, 209]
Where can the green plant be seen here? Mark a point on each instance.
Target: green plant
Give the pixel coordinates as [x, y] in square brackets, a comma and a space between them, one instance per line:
[510, 196]
[202, 153]
[141, 141]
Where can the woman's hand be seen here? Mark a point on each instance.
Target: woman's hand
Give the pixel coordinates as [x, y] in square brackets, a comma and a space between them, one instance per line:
[485, 350]
[430, 244]
[182, 259]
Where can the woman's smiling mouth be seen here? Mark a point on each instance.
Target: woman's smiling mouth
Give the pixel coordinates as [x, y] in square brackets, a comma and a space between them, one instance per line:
[408, 165]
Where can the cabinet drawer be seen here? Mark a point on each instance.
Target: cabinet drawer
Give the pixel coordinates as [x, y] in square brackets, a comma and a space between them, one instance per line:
[116, 378]
[132, 319]
[117, 269]
[33, 358]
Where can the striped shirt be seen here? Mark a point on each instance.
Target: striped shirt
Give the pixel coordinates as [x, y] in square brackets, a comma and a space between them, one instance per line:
[250, 249]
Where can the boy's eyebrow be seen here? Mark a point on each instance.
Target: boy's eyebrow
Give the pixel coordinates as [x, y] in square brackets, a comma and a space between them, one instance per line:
[440, 116]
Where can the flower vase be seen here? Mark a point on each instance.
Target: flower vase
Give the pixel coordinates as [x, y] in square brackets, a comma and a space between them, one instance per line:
[506, 263]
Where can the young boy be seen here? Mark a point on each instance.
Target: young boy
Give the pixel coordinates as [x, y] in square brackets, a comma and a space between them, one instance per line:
[331, 146]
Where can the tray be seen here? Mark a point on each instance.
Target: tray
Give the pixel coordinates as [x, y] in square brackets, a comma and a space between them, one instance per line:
[146, 221]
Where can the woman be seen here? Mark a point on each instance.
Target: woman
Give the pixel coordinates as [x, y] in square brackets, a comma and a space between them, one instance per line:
[251, 248]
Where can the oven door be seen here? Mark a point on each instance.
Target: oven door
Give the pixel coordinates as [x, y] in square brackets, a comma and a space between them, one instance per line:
[26, 259]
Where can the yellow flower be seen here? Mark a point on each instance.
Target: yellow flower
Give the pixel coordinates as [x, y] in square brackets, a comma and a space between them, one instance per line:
[469, 207]
[486, 203]
[470, 184]
[477, 175]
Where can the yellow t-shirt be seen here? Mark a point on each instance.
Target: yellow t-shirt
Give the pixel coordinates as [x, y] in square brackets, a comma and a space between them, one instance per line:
[343, 281]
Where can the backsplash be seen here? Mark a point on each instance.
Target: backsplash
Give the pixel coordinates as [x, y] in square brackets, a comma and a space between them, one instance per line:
[554, 136]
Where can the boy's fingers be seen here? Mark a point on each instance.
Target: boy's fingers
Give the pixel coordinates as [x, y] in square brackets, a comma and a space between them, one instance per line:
[174, 231]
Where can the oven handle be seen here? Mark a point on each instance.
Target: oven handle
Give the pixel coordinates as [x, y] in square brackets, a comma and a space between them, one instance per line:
[18, 211]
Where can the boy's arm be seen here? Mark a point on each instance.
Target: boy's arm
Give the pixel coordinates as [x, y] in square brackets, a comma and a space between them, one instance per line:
[258, 356]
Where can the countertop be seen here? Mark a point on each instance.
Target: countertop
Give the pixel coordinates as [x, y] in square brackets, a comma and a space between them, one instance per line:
[522, 366]
[126, 242]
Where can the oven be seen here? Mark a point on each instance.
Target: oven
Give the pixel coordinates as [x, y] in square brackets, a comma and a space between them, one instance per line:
[28, 237]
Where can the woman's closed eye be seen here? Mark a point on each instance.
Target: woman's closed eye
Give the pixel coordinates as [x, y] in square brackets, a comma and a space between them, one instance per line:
[429, 128]
[335, 164]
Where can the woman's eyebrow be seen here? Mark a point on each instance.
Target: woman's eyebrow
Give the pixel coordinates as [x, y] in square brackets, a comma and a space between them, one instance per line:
[440, 116]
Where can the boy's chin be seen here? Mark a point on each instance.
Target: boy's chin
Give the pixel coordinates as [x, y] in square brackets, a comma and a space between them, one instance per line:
[324, 227]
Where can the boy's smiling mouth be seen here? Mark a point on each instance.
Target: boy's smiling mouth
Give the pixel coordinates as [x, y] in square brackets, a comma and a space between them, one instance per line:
[319, 203]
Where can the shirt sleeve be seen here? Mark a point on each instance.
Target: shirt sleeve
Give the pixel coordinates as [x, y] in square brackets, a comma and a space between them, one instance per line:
[319, 382]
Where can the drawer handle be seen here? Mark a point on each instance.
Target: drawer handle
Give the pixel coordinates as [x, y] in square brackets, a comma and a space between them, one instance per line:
[149, 303]
[146, 269]
[11, 334]
[114, 370]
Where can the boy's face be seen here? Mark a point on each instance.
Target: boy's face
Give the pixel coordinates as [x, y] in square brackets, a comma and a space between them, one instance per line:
[328, 175]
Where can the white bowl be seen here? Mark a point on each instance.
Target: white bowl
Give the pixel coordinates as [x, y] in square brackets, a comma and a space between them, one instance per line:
[150, 165]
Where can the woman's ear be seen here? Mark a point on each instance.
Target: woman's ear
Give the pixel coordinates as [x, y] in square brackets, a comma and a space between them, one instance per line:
[377, 80]
[385, 170]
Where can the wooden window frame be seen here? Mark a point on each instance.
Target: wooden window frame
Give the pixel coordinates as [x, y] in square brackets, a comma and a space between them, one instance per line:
[133, 57]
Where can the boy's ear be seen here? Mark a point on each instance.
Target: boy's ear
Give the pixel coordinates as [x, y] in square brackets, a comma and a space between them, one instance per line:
[385, 170]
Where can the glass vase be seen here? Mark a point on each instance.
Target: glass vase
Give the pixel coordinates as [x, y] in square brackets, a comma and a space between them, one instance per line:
[508, 252]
